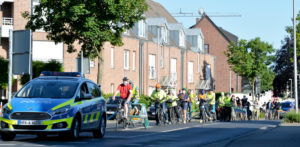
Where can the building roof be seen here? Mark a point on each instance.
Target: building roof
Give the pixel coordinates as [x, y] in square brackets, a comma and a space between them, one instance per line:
[194, 31]
[227, 35]
[175, 26]
[156, 21]
[157, 10]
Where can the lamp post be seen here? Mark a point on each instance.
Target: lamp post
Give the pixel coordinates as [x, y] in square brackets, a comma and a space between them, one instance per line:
[295, 58]
[291, 87]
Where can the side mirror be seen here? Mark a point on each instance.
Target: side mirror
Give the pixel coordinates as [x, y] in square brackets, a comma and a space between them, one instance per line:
[86, 97]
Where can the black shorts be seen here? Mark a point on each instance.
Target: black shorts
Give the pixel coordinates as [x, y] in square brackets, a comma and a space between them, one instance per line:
[123, 101]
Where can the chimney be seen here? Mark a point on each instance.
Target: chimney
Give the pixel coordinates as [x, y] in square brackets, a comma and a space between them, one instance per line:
[197, 20]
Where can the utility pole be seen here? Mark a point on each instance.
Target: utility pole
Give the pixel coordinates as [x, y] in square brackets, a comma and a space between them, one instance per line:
[10, 65]
[295, 58]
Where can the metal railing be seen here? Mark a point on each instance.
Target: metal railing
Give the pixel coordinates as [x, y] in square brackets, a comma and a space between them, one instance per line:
[7, 21]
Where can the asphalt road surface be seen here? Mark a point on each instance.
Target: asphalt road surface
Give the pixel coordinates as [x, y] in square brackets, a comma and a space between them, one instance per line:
[190, 134]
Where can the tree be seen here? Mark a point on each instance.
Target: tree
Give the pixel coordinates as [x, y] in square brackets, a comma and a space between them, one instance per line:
[249, 59]
[90, 23]
[267, 78]
[39, 66]
[3, 73]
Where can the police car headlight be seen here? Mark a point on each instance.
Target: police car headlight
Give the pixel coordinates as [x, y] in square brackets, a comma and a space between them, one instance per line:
[6, 110]
[62, 110]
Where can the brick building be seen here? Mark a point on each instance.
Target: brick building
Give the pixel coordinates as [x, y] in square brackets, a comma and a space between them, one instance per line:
[157, 50]
[216, 43]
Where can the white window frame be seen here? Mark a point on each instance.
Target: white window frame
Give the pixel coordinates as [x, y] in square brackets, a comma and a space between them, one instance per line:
[181, 38]
[190, 72]
[164, 34]
[141, 28]
[161, 57]
[152, 71]
[92, 63]
[126, 59]
[133, 59]
[112, 57]
[200, 43]
[173, 73]
[198, 63]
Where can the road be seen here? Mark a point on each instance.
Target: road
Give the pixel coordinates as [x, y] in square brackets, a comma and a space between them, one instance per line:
[191, 134]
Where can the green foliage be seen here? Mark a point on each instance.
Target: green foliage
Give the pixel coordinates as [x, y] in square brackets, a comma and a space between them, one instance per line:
[292, 117]
[90, 23]
[3, 73]
[267, 78]
[145, 100]
[107, 95]
[249, 58]
[39, 66]
[261, 115]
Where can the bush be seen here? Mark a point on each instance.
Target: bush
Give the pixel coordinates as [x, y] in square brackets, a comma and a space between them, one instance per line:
[39, 66]
[145, 100]
[107, 95]
[261, 115]
[3, 72]
[292, 117]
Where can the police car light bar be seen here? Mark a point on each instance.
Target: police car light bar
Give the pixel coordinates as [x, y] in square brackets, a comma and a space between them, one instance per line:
[65, 74]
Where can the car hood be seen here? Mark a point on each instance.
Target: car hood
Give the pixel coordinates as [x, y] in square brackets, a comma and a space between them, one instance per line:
[35, 104]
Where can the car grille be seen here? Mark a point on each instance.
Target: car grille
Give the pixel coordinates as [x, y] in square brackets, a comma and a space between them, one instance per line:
[30, 116]
[33, 127]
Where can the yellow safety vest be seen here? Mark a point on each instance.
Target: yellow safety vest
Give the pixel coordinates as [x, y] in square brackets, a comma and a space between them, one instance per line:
[174, 98]
[192, 96]
[161, 95]
[134, 91]
[227, 101]
[211, 99]
[221, 101]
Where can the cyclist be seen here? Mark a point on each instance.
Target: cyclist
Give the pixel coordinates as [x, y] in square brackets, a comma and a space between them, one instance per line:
[125, 91]
[172, 104]
[269, 108]
[191, 102]
[277, 106]
[228, 105]
[203, 103]
[221, 106]
[159, 97]
[211, 102]
[135, 92]
[185, 99]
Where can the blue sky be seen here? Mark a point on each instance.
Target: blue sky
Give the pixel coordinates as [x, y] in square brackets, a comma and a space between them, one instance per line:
[260, 18]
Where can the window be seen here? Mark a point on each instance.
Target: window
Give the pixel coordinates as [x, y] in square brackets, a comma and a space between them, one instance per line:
[174, 68]
[150, 90]
[200, 43]
[162, 57]
[112, 89]
[164, 34]
[206, 48]
[126, 59]
[190, 72]
[92, 62]
[93, 89]
[112, 57]
[152, 67]
[141, 28]
[133, 60]
[181, 38]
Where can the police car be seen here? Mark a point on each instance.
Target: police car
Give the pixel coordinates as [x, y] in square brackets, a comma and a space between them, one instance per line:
[63, 103]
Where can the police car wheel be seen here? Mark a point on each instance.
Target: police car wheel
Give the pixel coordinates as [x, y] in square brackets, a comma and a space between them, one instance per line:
[8, 136]
[74, 134]
[100, 132]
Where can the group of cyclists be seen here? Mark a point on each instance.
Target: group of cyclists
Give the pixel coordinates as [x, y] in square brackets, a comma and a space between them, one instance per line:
[178, 108]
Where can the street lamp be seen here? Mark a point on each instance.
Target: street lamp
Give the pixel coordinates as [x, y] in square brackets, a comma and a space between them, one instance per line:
[295, 58]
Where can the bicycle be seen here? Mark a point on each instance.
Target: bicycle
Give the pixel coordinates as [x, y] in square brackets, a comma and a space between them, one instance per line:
[160, 113]
[120, 117]
[203, 114]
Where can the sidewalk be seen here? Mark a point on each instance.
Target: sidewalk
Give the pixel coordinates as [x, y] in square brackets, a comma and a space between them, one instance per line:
[282, 136]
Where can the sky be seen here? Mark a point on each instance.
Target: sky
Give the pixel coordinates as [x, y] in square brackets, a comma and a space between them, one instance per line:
[266, 19]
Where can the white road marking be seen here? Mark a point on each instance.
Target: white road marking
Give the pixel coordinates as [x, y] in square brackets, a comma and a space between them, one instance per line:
[7, 144]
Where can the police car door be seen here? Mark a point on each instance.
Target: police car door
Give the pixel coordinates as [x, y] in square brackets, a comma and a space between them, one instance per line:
[96, 105]
[86, 107]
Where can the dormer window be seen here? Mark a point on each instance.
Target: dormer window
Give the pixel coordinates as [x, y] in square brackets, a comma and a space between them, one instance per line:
[181, 38]
[200, 43]
[164, 34]
[142, 28]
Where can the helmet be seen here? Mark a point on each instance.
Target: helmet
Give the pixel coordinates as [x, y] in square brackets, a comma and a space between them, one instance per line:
[157, 86]
[125, 79]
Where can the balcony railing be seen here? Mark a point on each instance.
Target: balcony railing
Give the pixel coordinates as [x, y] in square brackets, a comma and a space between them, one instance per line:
[7, 21]
[152, 72]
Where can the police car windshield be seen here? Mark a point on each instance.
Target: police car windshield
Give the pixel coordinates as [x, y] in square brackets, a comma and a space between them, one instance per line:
[48, 89]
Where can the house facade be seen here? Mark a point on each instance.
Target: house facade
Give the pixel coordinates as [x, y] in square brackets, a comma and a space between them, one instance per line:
[155, 50]
[216, 43]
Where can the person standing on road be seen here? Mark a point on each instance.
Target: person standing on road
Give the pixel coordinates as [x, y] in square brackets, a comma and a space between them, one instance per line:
[211, 103]
[203, 104]
[191, 102]
[277, 107]
[186, 99]
[172, 104]
[125, 91]
[221, 107]
[227, 107]
[159, 97]
[135, 92]
[256, 109]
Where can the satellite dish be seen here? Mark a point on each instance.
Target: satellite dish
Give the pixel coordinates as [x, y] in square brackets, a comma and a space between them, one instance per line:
[200, 11]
